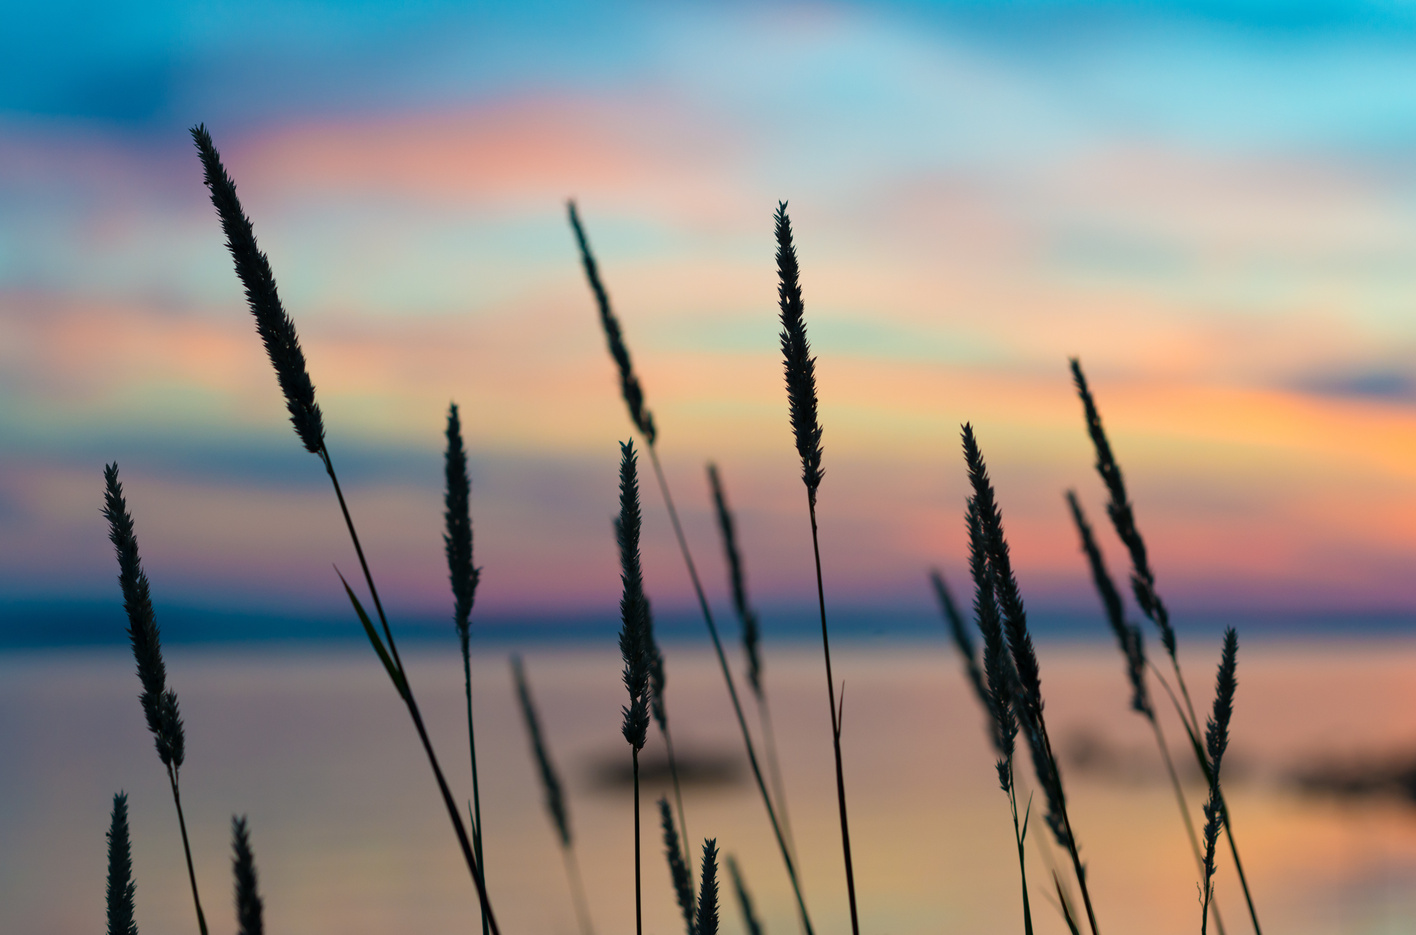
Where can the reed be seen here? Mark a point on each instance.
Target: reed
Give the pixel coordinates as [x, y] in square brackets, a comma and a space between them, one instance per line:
[554, 796]
[463, 575]
[282, 345]
[1027, 696]
[706, 922]
[643, 421]
[1216, 742]
[1132, 645]
[800, 370]
[159, 703]
[744, 899]
[751, 640]
[678, 867]
[997, 686]
[959, 632]
[121, 888]
[658, 708]
[249, 907]
[633, 641]
[1123, 519]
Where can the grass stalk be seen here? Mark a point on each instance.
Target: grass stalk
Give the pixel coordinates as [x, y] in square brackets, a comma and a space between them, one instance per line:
[277, 332]
[635, 641]
[159, 703]
[463, 576]
[1143, 586]
[554, 795]
[249, 908]
[1132, 646]
[644, 422]
[750, 921]
[800, 371]
[751, 645]
[120, 889]
[1216, 742]
[678, 867]
[1027, 696]
[706, 921]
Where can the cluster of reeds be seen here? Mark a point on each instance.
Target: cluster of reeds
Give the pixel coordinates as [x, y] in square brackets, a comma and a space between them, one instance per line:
[1000, 661]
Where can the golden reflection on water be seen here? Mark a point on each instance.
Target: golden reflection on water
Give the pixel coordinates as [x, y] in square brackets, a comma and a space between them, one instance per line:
[350, 837]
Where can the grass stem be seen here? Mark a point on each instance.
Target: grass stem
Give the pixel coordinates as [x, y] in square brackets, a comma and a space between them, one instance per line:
[787, 857]
[186, 848]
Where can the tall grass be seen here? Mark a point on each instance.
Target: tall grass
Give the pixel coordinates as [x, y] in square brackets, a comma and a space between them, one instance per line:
[643, 420]
[463, 576]
[1027, 692]
[1123, 519]
[800, 370]
[554, 794]
[751, 644]
[277, 331]
[1216, 742]
[159, 703]
[121, 889]
[249, 907]
[1131, 642]
[634, 642]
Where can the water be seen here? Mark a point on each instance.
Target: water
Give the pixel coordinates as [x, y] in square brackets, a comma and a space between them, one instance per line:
[350, 837]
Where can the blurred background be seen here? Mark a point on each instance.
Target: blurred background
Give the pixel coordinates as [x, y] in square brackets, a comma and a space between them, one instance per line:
[1212, 204]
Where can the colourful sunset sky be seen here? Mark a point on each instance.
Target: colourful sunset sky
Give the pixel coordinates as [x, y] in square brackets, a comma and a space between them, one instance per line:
[1213, 205]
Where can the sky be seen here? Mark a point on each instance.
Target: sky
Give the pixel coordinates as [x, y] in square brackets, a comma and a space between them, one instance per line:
[1212, 205]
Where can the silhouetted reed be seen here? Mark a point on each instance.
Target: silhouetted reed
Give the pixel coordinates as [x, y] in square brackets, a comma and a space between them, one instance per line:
[463, 575]
[744, 898]
[678, 866]
[959, 633]
[159, 702]
[554, 796]
[1216, 742]
[243, 867]
[997, 684]
[121, 888]
[706, 922]
[751, 649]
[658, 708]
[277, 331]
[800, 370]
[1027, 691]
[1143, 586]
[1132, 646]
[633, 641]
[643, 421]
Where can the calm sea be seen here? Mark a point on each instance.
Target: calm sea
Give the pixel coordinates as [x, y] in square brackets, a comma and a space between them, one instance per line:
[350, 837]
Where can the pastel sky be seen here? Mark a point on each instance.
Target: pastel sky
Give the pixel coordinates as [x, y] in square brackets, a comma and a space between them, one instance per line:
[1213, 205]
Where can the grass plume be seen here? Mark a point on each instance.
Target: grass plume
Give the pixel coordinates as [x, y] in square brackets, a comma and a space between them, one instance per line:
[678, 867]
[1216, 742]
[463, 575]
[277, 331]
[706, 921]
[1027, 695]
[638, 415]
[996, 686]
[553, 793]
[959, 633]
[120, 889]
[159, 702]
[800, 370]
[1143, 586]
[243, 866]
[1132, 645]
[749, 913]
[630, 389]
[751, 642]
[634, 642]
